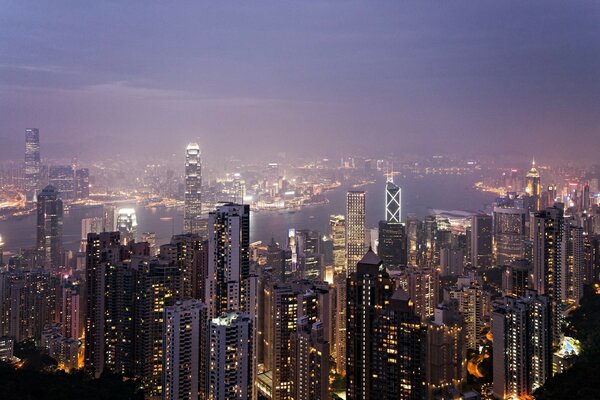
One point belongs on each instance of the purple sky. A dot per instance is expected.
(144, 78)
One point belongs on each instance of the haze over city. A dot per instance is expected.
(471, 78)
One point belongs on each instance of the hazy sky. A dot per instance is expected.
(142, 78)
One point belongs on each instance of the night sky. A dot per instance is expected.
(143, 78)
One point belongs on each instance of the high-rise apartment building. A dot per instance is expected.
(355, 229)
(522, 346)
(547, 233)
(50, 228)
(32, 163)
(310, 361)
(230, 374)
(193, 190)
(572, 254)
(185, 343)
(228, 259)
(423, 289)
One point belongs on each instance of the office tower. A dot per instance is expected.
(310, 361)
(516, 278)
(231, 352)
(127, 225)
(50, 228)
(481, 241)
(534, 188)
(393, 202)
(337, 231)
(522, 346)
(369, 288)
(509, 233)
(392, 244)
(355, 229)
(193, 190)
(423, 289)
(416, 242)
(184, 333)
(572, 253)
(228, 259)
(306, 254)
(32, 163)
(82, 183)
(446, 351)
(62, 178)
(547, 234)
(552, 196)
(398, 352)
(101, 248)
(452, 261)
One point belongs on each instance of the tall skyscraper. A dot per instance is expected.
(481, 241)
(572, 254)
(522, 346)
(228, 259)
(193, 190)
(127, 224)
(62, 177)
(393, 202)
(369, 288)
(50, 228)
(423, 289)
(398, 368)
(355, 229)
(393, 242)
(82, 183)
(310, 361)
(534, 188)
(231, 352)
(337, 226)
(547, 234)
(184, 334)
(32, 163)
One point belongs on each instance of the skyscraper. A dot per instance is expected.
(310, 361)
(193, 190)
(32, 163)
(572, 254)
(393, 202)
(184, 328)
(228, 259)
(337, 226)
(534, 188)
(399, 341)
(355, 229)
(509, 233)
(547, 233)
(231, 373)
(481, 241)
(369, 288)
(522, 346)
(127, 224)
(393, 242)
(62, 177)
(50, 228)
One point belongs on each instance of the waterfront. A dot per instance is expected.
(450, 192)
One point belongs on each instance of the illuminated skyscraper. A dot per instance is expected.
(423, 289)
(184, 333)
(228, 259)
(509, 232)
(534, 188)
(522, 346)
(547, 233)
(337, 225)
(572, 253)
(50, 228)
(231, 373)
(355, 229)
(127, 225)
(393, 202)
(393, 242)
(193, 190)
(369, 288)
(32, 163)
(62, 177)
